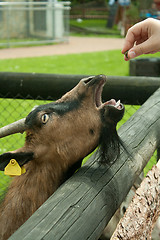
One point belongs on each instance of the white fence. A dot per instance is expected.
(33, 22)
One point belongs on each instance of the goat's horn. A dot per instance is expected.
(15, 127)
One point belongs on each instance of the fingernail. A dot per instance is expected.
(131, 54)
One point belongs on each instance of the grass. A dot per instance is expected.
(94, 25)
(89, 23)
(21, 42)
(107, 62)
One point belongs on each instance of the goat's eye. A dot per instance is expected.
(45, 118)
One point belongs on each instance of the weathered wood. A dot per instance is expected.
(144, 210)
(83, 205)
(130, 90)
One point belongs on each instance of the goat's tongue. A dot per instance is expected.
(110, 102)
(113, 102)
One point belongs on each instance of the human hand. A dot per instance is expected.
(142, 38)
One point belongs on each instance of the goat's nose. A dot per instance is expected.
(87, 80)
(100, 77)
(94, 79)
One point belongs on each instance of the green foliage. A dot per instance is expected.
(133, 14)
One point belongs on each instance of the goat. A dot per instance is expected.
(58, 136)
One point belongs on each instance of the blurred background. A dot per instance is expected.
(48, 21)
(52, 22)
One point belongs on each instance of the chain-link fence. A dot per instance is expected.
(33, 22)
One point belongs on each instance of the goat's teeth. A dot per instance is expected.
(117, 103)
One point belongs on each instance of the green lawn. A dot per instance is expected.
(107, 62)
(94, 25)
(89, 23)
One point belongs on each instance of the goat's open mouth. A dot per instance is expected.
(99, 82)
(98, 98)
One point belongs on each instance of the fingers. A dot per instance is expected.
(142, 38)
(130, 54)
(146, 47)
(134, 34)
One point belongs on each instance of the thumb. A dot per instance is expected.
(142, 48)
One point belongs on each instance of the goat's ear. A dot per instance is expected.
(21, 157)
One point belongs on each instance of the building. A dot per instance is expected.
(45, 20)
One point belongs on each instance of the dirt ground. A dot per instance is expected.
(75, 45)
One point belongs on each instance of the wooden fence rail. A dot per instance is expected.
(84, 204)
(130, 90)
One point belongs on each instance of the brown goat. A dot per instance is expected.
(58, 136)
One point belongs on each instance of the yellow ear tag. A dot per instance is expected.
(13, 169)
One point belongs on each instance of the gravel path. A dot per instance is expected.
(75, 45)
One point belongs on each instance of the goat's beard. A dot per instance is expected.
(109, 145)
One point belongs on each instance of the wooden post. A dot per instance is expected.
(83, 205)
(144, 210)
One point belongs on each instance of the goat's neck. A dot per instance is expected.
(41, 179)
(44, 177)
